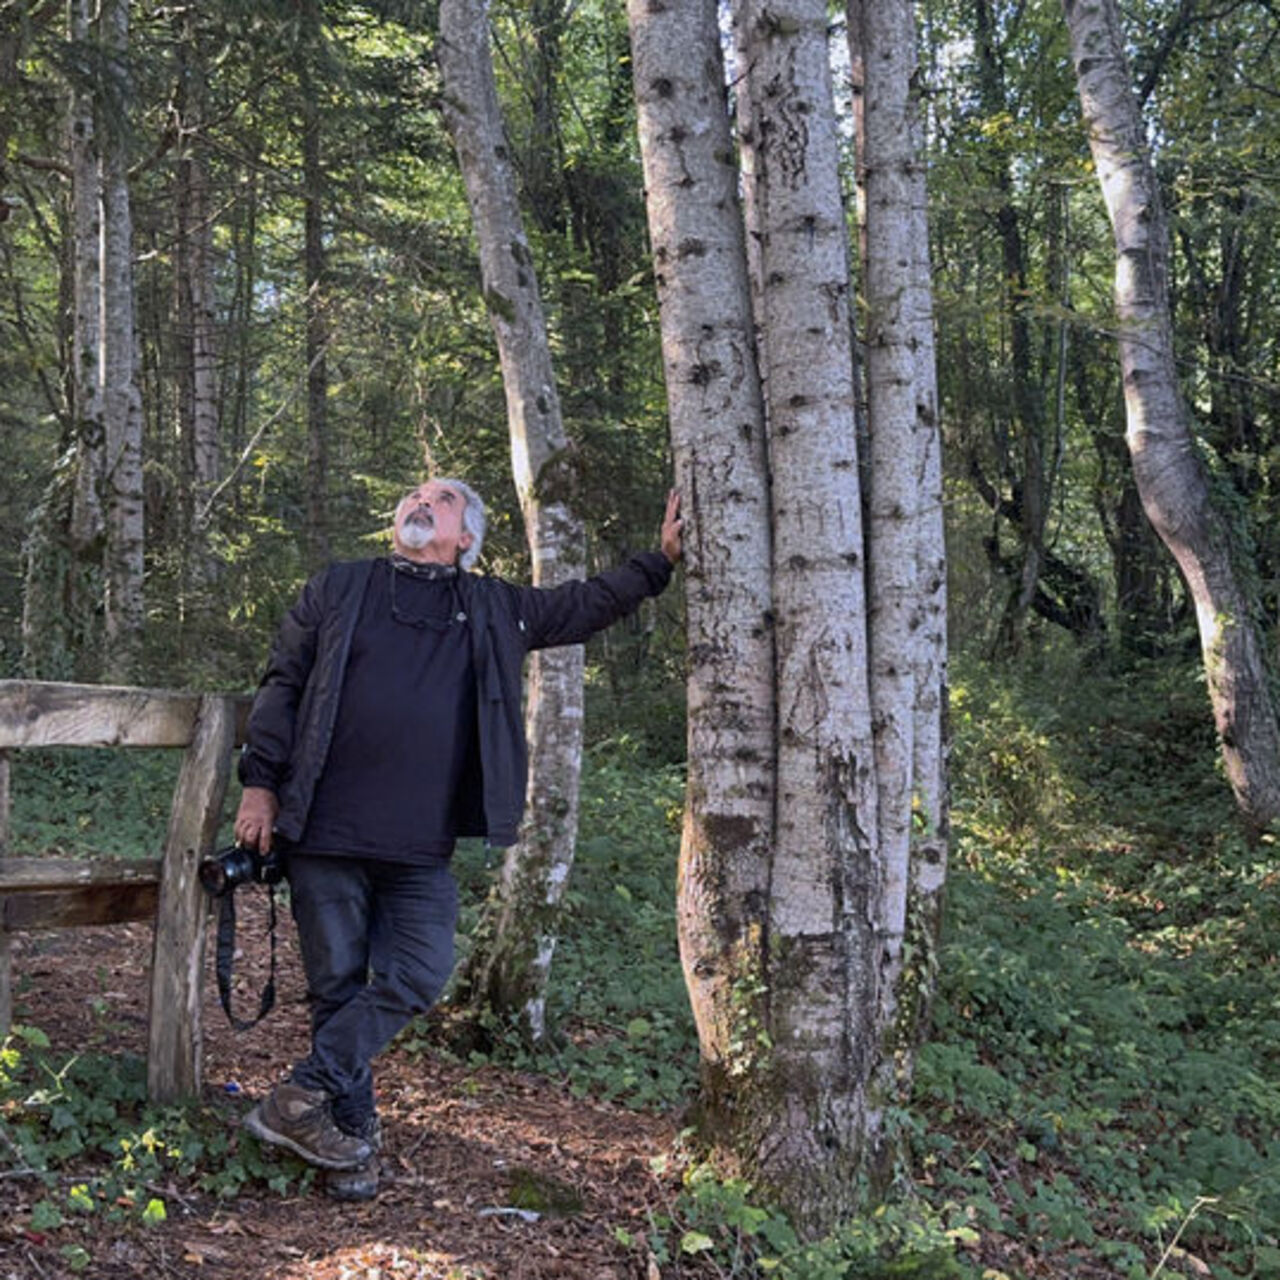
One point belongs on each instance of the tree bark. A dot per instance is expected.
(125, 613)
(65, 535)
(826, 875)
(194, 288)
(316, 303)
(718, 441)
(510, 966)
(906, 549)
(87, 408)
(1170, 477)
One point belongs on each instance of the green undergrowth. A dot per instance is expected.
(73, 802)
(79, 1142)
(620, 1023)
(1103, 1076)
(1101, 1092)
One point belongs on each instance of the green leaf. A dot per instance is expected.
(77, 1257)
(155, 1213)
(45, 1216)
(696, 1242)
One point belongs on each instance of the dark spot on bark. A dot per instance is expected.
(729, 832)
(798, 563)
(691, 248)
(663, 87)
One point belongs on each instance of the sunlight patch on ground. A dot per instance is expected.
(381, 1261)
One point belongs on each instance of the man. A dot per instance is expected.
(388, 724)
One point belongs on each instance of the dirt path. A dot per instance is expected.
(466, 1148)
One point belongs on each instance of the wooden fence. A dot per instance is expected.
(44, 893)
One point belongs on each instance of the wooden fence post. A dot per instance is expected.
(173, 1050)
(6, 962)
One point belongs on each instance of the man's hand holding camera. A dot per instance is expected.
(256, 817)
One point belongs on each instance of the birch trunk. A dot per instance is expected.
(718, 440)
(906, 555)
(1171, 480)
(510, 967)
(124, 612)
(825, 878)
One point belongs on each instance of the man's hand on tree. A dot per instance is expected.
(256, 817)
(673, 528)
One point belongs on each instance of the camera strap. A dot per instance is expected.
(226, 953)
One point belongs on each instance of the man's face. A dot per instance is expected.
(428, 524)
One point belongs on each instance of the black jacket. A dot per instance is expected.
(291, 723)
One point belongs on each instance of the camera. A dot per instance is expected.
(236, 865)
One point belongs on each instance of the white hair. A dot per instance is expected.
(473, 519)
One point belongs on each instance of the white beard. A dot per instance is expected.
(415, 534)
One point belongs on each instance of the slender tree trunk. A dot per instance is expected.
(194, 288)
(718, 439)
(905, 553)
(511, 964)
(1028, 403)
(316, 304)
(1171, 480)
(66, 530)
(826, 877)
(87, 385)
(125, 613)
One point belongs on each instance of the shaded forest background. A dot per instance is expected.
(350, 357)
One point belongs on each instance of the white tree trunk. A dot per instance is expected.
(512, 967)
(826, 876)
(718, 439)
(125, 613)
(1170, 478)
(906, 556)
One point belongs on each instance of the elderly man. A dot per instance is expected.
(388, 724)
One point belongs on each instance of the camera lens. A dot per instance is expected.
(223, 872)
(213, 876)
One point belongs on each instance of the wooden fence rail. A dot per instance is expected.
(39, 893)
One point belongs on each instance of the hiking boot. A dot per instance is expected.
(300, 1120)
(362, 1183)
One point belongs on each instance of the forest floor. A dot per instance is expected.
(462, 1144)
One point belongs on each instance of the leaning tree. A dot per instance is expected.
(1171, 478)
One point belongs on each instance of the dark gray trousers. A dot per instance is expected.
(377, 947)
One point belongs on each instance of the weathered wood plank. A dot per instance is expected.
(6, 984)
(173, 1052)
(37, 713)
(6, 955)
(71, 908)
(29, 875)
(4, 803)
